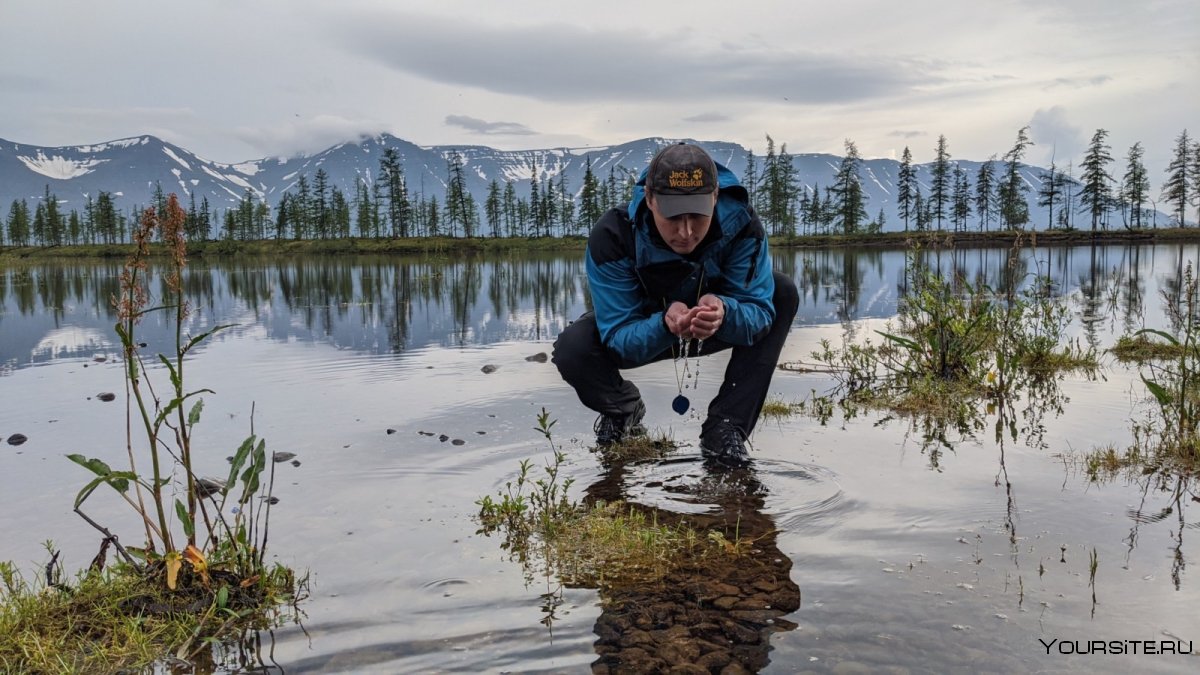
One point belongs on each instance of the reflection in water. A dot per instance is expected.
(712, 612)
(392, 304)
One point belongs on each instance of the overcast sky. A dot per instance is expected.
(242, 79)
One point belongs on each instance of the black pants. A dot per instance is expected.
(594, 370)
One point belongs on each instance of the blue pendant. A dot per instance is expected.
(680, 404)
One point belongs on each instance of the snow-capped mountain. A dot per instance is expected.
(131, 168)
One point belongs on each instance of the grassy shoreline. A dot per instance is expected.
(359, 246)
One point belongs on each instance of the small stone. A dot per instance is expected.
(481, 433)
(443, 438)
(280, 457)
(489, 369)
(17, 439)
(99, 358)
(295, 462)
(106, 396)
(539, 357)
(391, 431)
(273, 500)
(457, 441)
(425, 433)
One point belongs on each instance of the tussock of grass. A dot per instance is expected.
(121, 620)
(639, 448)
(1140, 348)
(618, 544)
(777, 408)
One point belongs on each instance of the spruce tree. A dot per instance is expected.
(566, 204)
(282, 210)
(851, 209)
(590, 208)
(1096, 191)
(1136, 185)
(511, 217)
(941, 183)
(106, 218)
(18, 223)
(491, 208)
(321, 214)
(301, 216)
(363, 209)
(1010, 194)
(750, 177)
(985, 190)
(395, 190)
(1050, 192)
(1176, 190)
(960, 209)
(1195, 170)
(904, 187)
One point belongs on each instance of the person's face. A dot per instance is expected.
(684, 232)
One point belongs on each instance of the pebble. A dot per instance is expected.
(539, 357)
(457, 441)
(106, 396)
(279, 457)
(17, 439)
(391, 431)
(489, 369)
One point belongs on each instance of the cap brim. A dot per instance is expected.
(673, 205)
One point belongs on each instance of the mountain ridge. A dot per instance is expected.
(130, 169)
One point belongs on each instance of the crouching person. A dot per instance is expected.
(683, 267)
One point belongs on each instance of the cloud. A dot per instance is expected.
(306, 134)
(565, 63)
(1077, 82)
(708, 117)
(899, 133)
(1055, 136)
(489, 128)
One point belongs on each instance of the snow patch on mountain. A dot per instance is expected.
(246, 168)
(117, 144)
(175, 157)
(59, 167)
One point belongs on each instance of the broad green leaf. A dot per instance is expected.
(171, 368)
(1164, 397)
(119, 480)
(188, 526)
(88, 490)
(194, 415)
(239, 459)
(94, 465)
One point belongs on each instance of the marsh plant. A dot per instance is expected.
(583, 545)
(955, 353)
(1169, 367)
(205, 540)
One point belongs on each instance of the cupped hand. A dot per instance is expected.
(707, 317)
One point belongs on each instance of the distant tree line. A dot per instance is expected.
(385, 206)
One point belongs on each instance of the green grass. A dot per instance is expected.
(122, 620)
(1140, 348)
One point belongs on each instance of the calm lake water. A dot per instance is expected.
(907, 558)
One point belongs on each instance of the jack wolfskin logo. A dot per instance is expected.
(684, 179)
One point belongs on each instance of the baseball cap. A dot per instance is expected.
(682, 178)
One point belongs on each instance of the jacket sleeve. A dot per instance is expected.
(747, 293)
(624, 324)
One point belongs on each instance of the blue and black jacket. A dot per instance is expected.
(634, 276)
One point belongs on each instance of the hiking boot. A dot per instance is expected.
(611, 429)
(724, 445)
